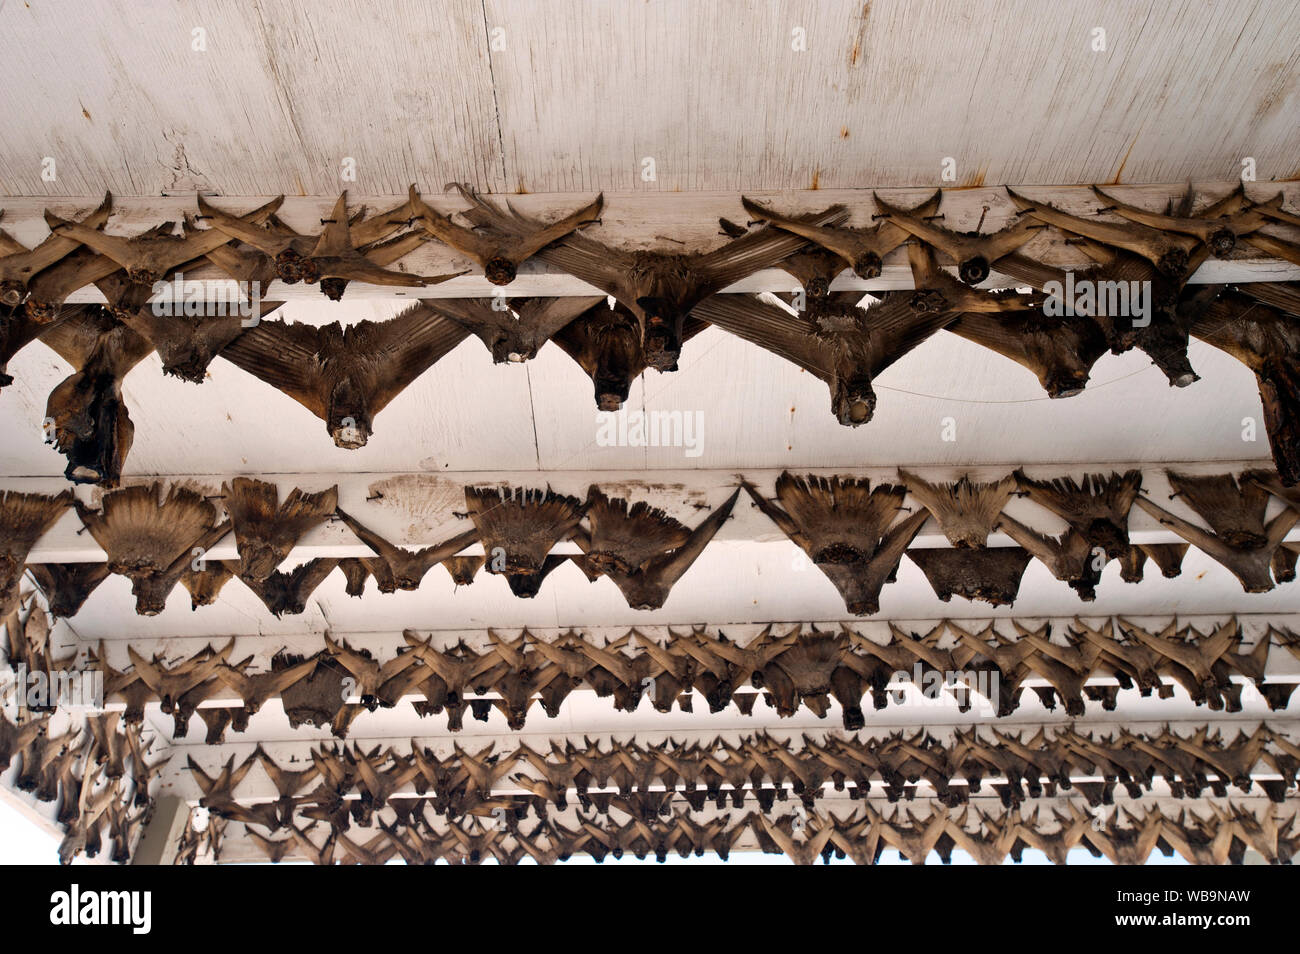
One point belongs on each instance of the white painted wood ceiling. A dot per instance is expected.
(759, 411)
(718, 97)
(578, 93)
(573, 97)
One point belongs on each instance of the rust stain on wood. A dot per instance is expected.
(1275, 75)
(1123, 162)
(974, 182)
(856, 52)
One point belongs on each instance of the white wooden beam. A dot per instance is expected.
(237, 847)
(668, 221)
(583, 712)
(417, 510)
(159, 841)
(384, 644)
(178, 780)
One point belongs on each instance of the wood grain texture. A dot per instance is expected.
(282, 94)
(580, 93)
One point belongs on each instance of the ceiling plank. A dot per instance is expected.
(567, 96)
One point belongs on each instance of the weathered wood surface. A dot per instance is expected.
(419, 510)
(571, 97)
(749, 574)
(669, 222)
